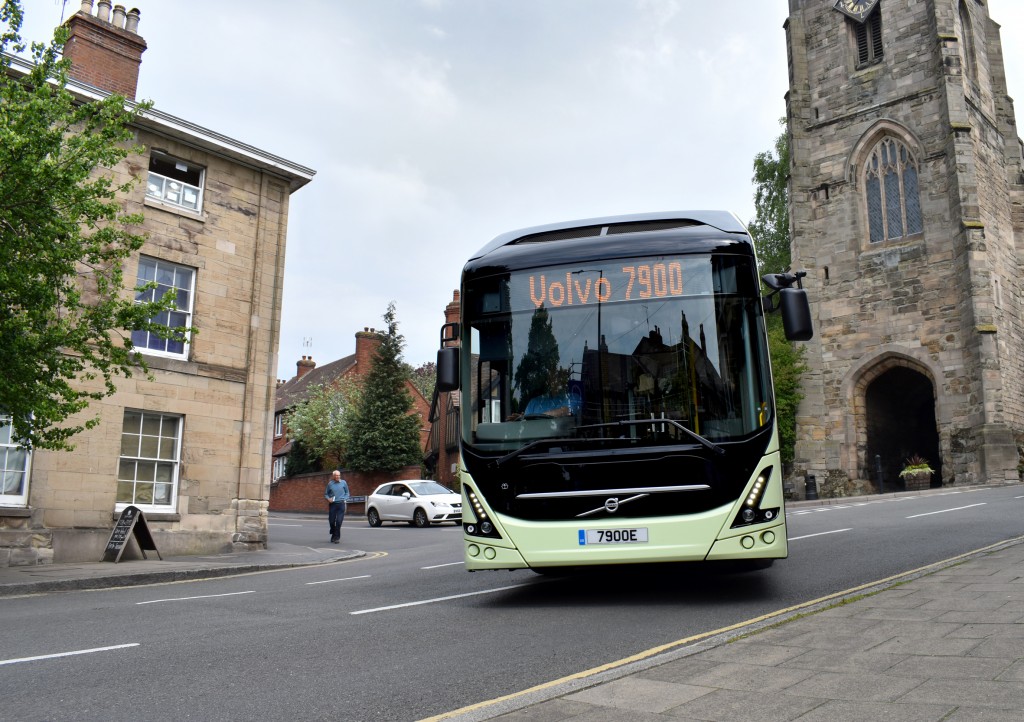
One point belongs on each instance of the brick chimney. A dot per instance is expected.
(303, 366)
(451, 313)
(105, 49)
(367, 342)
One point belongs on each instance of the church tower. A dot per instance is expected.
(906, 210)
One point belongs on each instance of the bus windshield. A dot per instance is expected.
(648, 351)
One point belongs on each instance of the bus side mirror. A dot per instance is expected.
(796, 309)
(448, 368)
(796, 314)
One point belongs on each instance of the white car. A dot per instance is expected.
(420, 503)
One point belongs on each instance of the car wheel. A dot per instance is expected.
(372, 517)
(420, 519)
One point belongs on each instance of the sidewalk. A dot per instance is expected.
(100, 575)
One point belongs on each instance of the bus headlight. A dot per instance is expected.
(484, 527)
(752, 513)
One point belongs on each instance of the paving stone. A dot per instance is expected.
(856, 687)
(950, 667)
(844, 711)
(982, 630)
(680, 671)
(970, 692)
(965, 617)
(927, 646)
(733, 705)
(760, 653)
(983, 714)
(828, 660)
(639, 695)
(751, 677)
(1009, 648)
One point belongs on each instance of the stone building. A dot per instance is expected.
(191, 446)
(906, 191)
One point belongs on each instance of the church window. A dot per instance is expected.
(893, 197)
(869, 39)
(967, 43)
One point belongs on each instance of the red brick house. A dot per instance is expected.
(304, 492)
(442, 449)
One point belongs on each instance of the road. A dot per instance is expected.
(406, 632)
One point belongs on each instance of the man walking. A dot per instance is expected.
(337, 495)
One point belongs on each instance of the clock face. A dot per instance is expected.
(856, 9)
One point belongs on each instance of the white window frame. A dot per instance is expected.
(10, 451)
(172, 187)
(278, 425)
(149, 459)
(167, 275)
(278, 467)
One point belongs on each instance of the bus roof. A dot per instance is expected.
(722, 220)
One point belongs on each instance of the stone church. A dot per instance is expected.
(906, 195)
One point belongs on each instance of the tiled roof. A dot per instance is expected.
(298, 388)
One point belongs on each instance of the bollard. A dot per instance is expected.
(878, 471)
(812, 488)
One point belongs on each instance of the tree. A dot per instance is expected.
(770, 231)
(538, 370)
(787, 368)
(65, 321)
(424, 378)
(384, 435)
(300, 460)
(770, 227)
(321, 424)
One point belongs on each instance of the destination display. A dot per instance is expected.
(630, 280)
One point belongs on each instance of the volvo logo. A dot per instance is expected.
(612, 504)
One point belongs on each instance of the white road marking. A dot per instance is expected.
(345, 579)
(449, 564)
(821, 533)
(438, 599)
(67, 654)
(185, 599)
(943, 511)
(273, 524)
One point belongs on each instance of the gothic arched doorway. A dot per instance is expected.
(900, 406)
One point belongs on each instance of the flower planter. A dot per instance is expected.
(915, 481)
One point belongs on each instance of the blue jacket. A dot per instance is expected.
(337, 489)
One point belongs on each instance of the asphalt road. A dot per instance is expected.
(406, 632)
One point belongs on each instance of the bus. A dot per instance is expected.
(615, 394)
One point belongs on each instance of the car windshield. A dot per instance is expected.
(649, 350)
(426, 488)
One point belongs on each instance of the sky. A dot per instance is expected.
(435, 125)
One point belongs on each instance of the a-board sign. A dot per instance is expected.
(132, 522)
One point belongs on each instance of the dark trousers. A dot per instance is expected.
(335, 517)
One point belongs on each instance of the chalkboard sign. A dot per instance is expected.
(131, 522)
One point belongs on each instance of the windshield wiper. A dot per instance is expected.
(712, 446)
(650, 422)
(536, 442)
